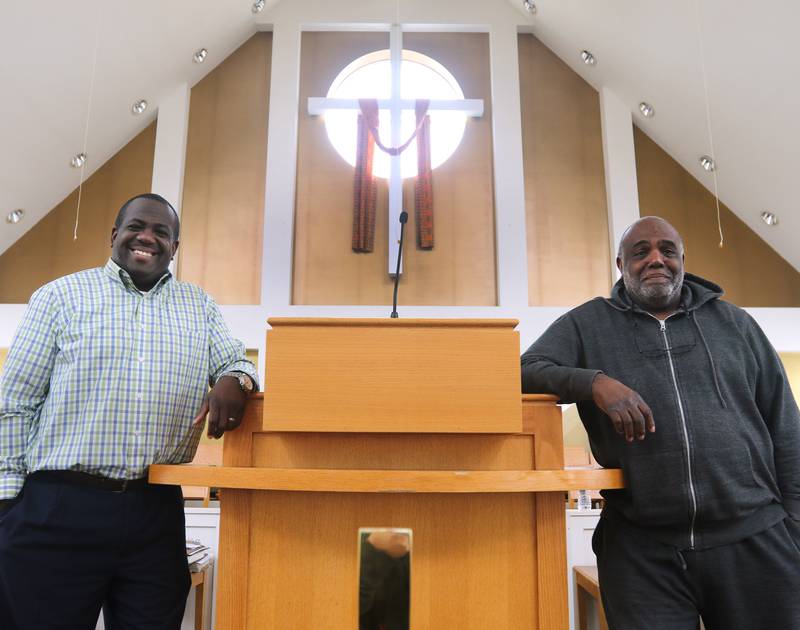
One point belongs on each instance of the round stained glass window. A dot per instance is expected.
(421, 77)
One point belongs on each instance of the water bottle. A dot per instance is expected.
(584, 500)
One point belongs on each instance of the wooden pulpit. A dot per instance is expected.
(402, 423)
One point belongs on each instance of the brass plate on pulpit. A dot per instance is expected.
(384, 578)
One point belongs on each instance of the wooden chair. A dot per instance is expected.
(579, 457)
(208, 454)
(576, 457)
(588, 587)
(199, 580)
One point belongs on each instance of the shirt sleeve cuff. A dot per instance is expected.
(583, 384)
(245, 367)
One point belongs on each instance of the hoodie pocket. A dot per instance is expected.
(658, 488)
(726, 486)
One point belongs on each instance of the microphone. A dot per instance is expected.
(403, 220)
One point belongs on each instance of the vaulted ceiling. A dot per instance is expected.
(143, 49)
(696, 62)
(670, 54)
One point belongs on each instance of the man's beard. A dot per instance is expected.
(652, 295)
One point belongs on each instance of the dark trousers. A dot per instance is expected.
(67, 549)
(753, 584)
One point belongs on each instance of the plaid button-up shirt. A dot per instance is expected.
(106, 379)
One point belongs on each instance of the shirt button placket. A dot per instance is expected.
(139, 345)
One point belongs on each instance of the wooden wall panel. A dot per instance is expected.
(222, 215)
(460, 270)
(396, 451)
(750, 271)
(472, 568)
(565, 196)
(551, 546)
(47, 251)
(791, 362)
(491, 538)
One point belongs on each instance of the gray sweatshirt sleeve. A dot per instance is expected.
(554, 364)
(779, 409)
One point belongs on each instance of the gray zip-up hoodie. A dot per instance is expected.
(724, 462)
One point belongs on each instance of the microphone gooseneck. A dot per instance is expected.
(403, 220)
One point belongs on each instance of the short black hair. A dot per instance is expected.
(154, 197)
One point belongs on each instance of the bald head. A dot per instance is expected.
(646, 226)
(650, 258)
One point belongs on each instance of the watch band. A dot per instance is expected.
(245, 382)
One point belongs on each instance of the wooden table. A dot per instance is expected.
(199, 583)
(588, 586)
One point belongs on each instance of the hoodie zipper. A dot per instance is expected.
(663, 324)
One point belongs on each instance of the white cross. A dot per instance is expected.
(470, 107)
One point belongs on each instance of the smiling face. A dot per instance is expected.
(145, 241)
(651, 261)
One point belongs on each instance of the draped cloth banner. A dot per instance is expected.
(423, 187)
(365, 189)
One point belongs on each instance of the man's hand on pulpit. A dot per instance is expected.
(224, 404)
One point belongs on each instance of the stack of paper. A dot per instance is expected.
(198, 555)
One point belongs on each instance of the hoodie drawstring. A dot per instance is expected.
(710, 359)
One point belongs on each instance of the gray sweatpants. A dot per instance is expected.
(753, 584)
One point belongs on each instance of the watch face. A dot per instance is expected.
(245, 383)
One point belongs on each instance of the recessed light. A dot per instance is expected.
(78, 160)
(258, 6)
(139, 107)
(15, 216)
(769, 218)
(530, 6)
(588, 58)
(708, 163)
(200, 56)
(647, 110)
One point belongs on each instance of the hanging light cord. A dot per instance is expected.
(708, 117)
(86, 126)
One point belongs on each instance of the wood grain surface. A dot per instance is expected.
(384, 375)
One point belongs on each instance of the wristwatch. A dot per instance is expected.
(245, 382)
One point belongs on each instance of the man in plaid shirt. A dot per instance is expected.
(107, 374)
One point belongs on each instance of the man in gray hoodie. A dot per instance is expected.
(685, 394)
